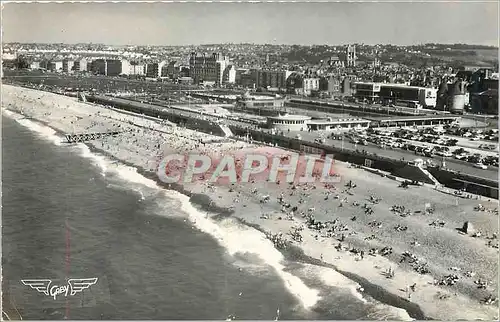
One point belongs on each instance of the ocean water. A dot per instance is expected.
(70, 213)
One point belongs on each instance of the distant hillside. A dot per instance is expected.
(460, 46)
(476, 56)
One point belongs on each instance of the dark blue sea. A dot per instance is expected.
(69, 213)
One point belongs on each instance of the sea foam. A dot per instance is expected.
(38, 128)
(240, 239)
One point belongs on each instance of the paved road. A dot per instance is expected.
(465, 142)
(464, 167)
(461, 144)
(486, 119)
(367, 107)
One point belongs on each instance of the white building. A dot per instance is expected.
(9, 56)
(288, 122)
(351, 56)
(338, 124)
(133, 67)
(125, 67)
(430, 98)
(153, 70)
(35, 65)
(80, 65)
(56, 66)
(309, 85)
(222, 62)
(68, 66)
(230, 75)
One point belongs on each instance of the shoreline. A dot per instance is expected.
(210, 204)
(296, 254)
(292, 253)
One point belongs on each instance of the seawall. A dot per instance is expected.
(484, 187)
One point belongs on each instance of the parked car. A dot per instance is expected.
(446, 154)
(461, 156)
(451, 142)
(490, 160)
(488, 146)
(480, 166)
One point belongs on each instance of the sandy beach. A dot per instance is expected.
(347, 225)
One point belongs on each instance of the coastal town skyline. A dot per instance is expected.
(183, 24)
(472, 45)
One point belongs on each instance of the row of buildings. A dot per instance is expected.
(330, 80)
(202, 68)
(207, 69)
(387, 93)
(102, 66)
(214, 69)
(477, 90)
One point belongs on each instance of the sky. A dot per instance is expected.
(281, 23)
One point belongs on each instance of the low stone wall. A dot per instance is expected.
(488, 188)
(412, 173)
(472, 184)
(198, 124)
(396, 167)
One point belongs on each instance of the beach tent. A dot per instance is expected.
(468, 228)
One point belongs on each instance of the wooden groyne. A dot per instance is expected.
(84, 137)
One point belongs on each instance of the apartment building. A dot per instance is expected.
(154, 69)
(208, 69)
(68, 66)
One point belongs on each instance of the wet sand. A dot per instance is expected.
(442, 248)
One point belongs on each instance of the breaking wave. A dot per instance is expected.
(239, 239)
(43, 131)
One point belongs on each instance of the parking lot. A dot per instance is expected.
(396, 153)
(96, 84)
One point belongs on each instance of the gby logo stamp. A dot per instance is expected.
(72, 287)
